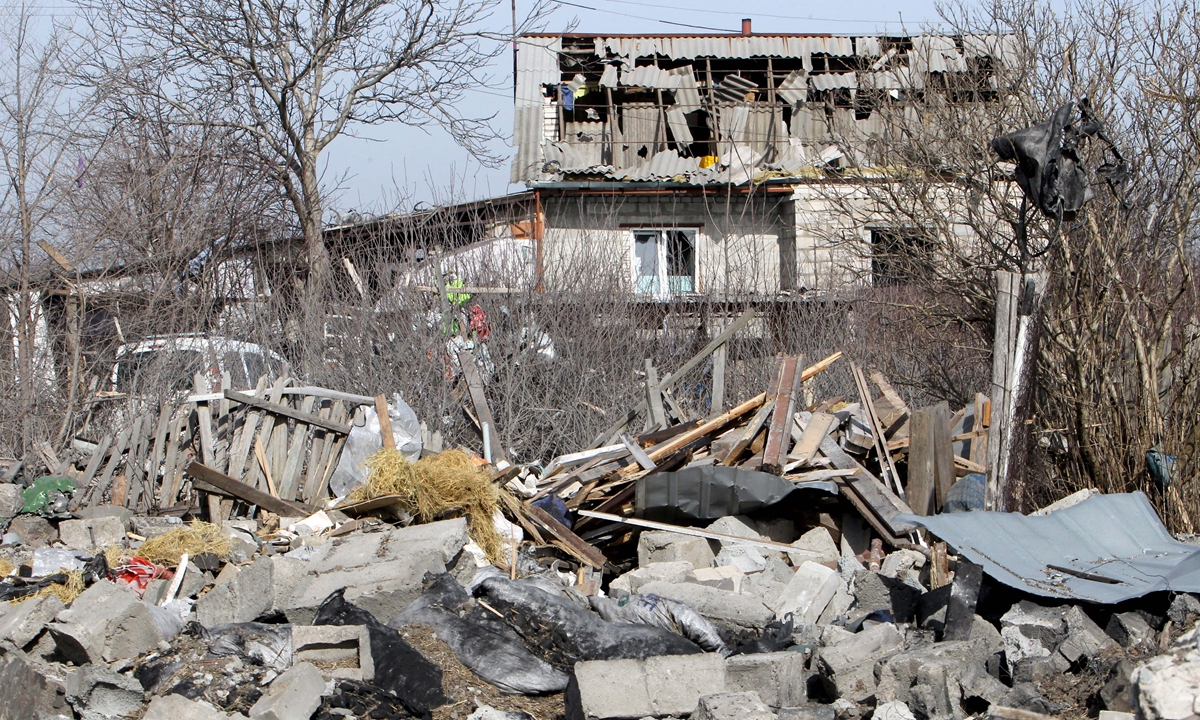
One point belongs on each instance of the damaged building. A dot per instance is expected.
(705, 164)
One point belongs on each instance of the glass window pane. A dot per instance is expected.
(645, 254)
(681, 262)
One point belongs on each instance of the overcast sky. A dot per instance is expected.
(391, 167)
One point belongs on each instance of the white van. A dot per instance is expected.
(170, 362)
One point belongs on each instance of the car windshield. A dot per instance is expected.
(168, 369)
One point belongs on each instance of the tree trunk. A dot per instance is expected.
(311, 336)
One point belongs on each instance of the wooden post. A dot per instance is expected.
(1014, 352)
(717, 400)
(658, 416)
(930, 459)
(385, 423)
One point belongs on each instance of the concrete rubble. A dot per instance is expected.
(757, 612)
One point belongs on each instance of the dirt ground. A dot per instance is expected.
(466, 690)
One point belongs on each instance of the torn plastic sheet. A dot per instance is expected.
(484, 643)
(714, 491)
(258, 643)
(666, 613)
(399, 667)
(363, 441)
(563, 632)
(1107, 549)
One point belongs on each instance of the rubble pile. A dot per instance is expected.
(786, 558)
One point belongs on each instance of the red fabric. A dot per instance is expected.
(136, 573)
(479, 324)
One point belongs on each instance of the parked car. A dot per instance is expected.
(170, 363)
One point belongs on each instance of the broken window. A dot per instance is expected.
(664, 262)
(900, 255)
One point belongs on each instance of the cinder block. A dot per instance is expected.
(656, 686)
(732, 706)
(807, 593)
(92, 534)
(720, 606)
(294, 694)
(336, 643)
(779, 678)
(24, 622)
(661, 546)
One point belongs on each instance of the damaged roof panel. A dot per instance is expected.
(1107, 549)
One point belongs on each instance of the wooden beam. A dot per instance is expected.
(385, 423)
(779, 432)
(810, 440)
(209, 480)
(883, 503)
(654, 401)
(483, 411)
(637, 452)
(748, 433)
(717, 400)
(285, 411)
(578, 547)
(881, 451)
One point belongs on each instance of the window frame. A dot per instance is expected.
(662, 286)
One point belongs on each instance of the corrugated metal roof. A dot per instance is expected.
(1115, 537)
(724, 46)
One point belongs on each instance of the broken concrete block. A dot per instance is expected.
(656, 686)
(847, 667)
(780, 530)
(817, 540)
(806, 595)
(747, 558)
(25, 621)
(902, 561)
(177, 707)
(662, 546)
(132, 633)
(92, 534)
(294, 694)
(34, 530)
(1168, 687)
(97, 692)
(27, 691)
(732, 706)
(808, 712)
(1114, 715)
(727, 577)
(1130, 630)
(382, 572)
(11, 500)
(894, 710)
(873, 591)
(930, 680)
(347, 646)
(246, 594)
(1085, 640)
(839, 605)
(1184, 608)
(720, 606)
(672, 572)
(779, 678)
(81, 631)
(1031, 631)
(152, 527)
(1115, 691)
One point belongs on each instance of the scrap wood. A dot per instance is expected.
(517, 510)
(748, 433)
(810, 439)
(285, 411)
(680, 441)
(668, 380)
(883, 503)
(576, 546)
(696, 532)
(466, 360)
(210, 481)
(779, 431)
(881, 451)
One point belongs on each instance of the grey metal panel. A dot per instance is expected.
(537, 66)
(663, 165)
(1118, 537)
(833, 80)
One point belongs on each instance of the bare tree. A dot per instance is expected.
(41, 121)
(296, 74)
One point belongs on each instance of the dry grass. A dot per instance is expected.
(6, 567)
(434, 487)
(197, 538)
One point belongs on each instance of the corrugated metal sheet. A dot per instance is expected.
(828, 81)
(725, 46)
(537, 66)
(662, 166)
(1116, 537)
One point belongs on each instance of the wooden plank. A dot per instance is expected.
(204, 425)
(261, 456)
(658, 416)
(979, 443)
(483, 411)
(868, 514)
(135, 463)
(113, 458)
(582, 550)
(244, 438)
(315, 472)
(883, 503)
(717, 399)
(156, 457)
(779, 432)
(639, 455)
(295, 455)
(387, 438)
(930, 459)
(94, 464)
(254, 474)
(939, 568)
(605, 437)
(333, 451)
(889, 392)
(815, 475)
(661, 451)
(810, 440)
(120, 491)
(276, 408)
(881, 451)
(172, 477)
(748, 433)
(697, 532)
(219, 482)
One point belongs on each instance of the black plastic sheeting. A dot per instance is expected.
(714, 491)
(484, 643)
(666, 613)
(563, 632)
(399, 667)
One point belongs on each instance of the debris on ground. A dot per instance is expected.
(786, 558)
